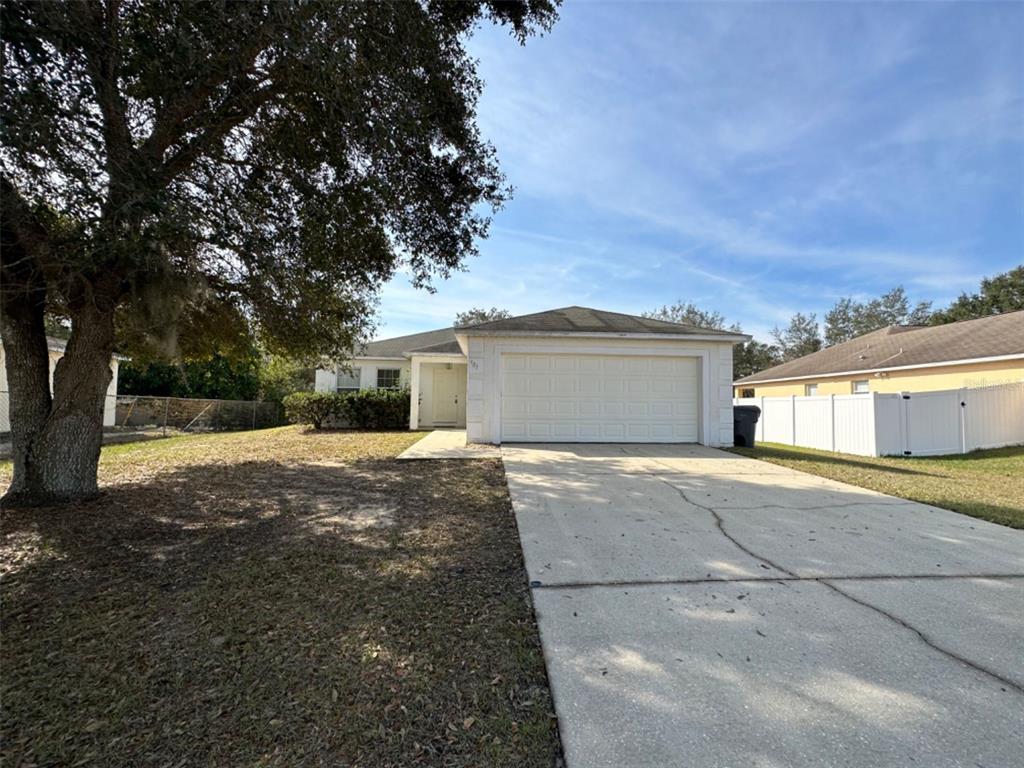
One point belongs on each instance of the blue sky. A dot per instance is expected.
(757, 160)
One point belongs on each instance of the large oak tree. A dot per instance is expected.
(217, 166)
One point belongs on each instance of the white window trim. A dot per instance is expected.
(865, 382)
(810, 390)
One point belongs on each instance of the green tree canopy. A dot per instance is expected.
(689, 313)
(1002, 293)
(849, 319)
(801, 337)
(481, 315)
(747, 358)
(222, 167)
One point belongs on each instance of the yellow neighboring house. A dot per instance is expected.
(921, 358)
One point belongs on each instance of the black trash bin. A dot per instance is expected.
(744, 424)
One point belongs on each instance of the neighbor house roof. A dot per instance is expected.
(586, 320)
(56, 344)
(900, 346)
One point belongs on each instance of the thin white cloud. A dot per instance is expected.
(763, 159)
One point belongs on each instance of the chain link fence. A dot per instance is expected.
(140, 412)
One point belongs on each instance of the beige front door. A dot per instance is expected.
(446, 395)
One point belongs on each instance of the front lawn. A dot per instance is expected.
(273, 598)
(986, 484)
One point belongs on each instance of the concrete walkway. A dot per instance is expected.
(702, 609)
(448, 444)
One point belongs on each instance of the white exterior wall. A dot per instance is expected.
(109, 406)
(483, 385)
(327, 380)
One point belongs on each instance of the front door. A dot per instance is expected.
(446, 395)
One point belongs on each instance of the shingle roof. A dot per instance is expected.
(55, 344)
(565, 320)
(444, 348)
(401, 345)
(900, 346)
(586, 320)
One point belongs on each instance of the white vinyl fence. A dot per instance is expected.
(908, 424)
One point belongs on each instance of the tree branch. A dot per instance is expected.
(24, 240)
(103, 64)
(231, 114)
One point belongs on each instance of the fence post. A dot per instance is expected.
(961, 396)
(254, 414)
(832, 421)
(131, 407)
(792, 413)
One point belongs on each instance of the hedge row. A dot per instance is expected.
(365, 409)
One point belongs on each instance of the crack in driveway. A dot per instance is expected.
(611, 584)
(720, 524)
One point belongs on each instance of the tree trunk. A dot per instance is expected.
(59, 458)
(28, 372)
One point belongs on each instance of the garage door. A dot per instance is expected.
(599, 398)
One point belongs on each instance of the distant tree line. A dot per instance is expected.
(850, 318)
(248, 373)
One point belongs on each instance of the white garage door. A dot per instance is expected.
(599, 398)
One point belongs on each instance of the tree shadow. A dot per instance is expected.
(277, 613)
(836, 459)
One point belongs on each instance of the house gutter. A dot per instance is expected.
(735, 338)
(966, 361)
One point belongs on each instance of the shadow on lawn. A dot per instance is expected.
(822, 457)
(275, 614)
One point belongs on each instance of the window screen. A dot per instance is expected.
(387, 378)
(348, 380)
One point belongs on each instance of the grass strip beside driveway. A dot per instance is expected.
(274, 598)
(984, 484)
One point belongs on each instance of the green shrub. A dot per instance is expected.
(377, 408)
(313, 408)
(365, 409)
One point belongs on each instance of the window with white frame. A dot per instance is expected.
(348, 379)
(861, 386)
(810, 389)
(746, 393)
(387, 378)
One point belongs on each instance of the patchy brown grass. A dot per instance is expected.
(986, 484)
(277, 598)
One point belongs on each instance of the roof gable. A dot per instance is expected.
(566, 320)
(907, 346)
(586, 320)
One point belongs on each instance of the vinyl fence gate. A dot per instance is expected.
(901, 424)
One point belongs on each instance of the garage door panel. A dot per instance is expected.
(664, 409)
(663, 431)
(599, 398)
(638, 409)
(563, 385)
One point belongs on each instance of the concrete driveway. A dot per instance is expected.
(698, 609)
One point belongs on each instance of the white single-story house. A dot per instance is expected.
(565, 375)
(56, 350)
